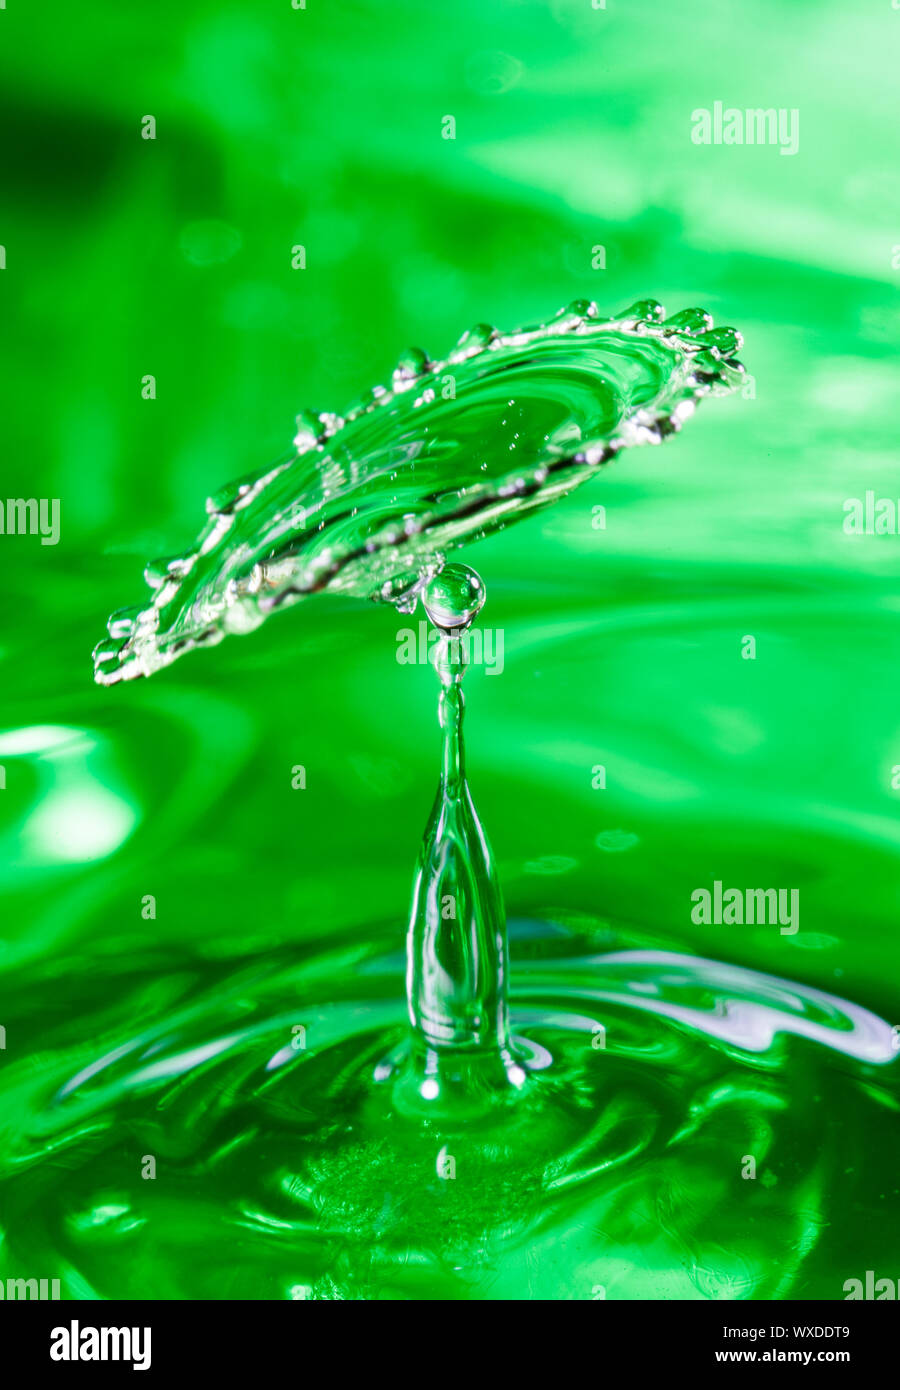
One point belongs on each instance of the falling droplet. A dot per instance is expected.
(454, 598)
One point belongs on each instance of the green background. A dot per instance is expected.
(172, 257)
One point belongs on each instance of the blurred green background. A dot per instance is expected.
(173, 257)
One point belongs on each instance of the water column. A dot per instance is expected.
(457, 956)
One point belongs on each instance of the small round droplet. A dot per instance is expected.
(454, 598)
(579, 308)
(107, 660)
(691, 321)
(224, 500)
(479, 336)
(721, 342)
(309, 428)
(157, 572)
(412, 365)
(645, 311)
(123, 622)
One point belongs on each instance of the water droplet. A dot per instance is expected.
(224, 499)
(123, 622)
(309, 429)
(579, 309)
(412, 365)
(454, 598)
(722, 343)
(158, 572)
(644, 311)
(691, 321)
(107, 659)
(478, 337)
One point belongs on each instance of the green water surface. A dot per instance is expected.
(269, 795)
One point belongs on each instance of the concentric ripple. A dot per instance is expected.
(658, 1082)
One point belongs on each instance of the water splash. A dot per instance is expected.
(618, 1168)
(587, 1112)
(370, 502)
(461, 1055)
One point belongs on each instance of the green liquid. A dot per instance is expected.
(576, 1126)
